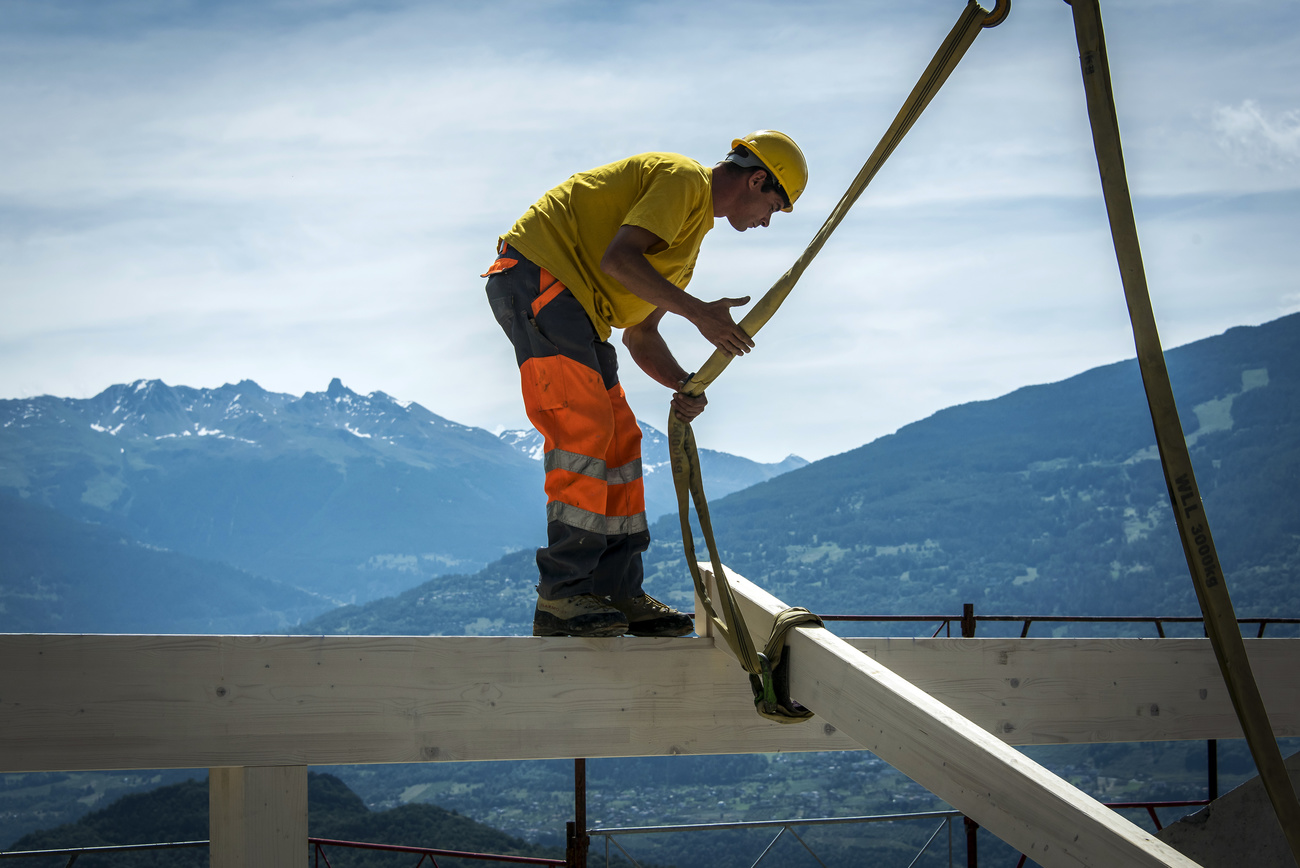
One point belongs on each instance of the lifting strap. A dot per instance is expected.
(1189, 511)
(769, 679)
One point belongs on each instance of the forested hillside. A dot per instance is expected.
(179, 812)
(1049, 500)
(44, 587)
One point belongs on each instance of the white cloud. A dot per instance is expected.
(1249, 133)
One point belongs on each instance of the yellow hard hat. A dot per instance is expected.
(780, 156)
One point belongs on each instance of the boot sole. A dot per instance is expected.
(595, 628)
(662, 627)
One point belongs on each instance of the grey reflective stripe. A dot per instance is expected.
(629, 472)
(627, 524)
(610, 525)
(558, 459)
(575, 516)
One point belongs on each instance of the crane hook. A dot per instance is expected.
(999, 13)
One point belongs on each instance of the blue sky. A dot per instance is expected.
(294, 190)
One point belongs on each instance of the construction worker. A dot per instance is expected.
(614, 247)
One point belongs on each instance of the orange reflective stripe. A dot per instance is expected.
(626, 499)
(577, 490)
(550, 288)
(503, 263)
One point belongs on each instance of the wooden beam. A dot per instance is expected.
(1018, 800)
(70, 702)
(257, 816)
(1086, 691)
(96, 702)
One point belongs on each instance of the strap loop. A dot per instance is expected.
(772, 685)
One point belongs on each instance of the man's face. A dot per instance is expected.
(756, 207)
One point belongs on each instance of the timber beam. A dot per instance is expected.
(79, 702)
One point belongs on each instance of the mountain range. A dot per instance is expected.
(155, 508)
(131, 511)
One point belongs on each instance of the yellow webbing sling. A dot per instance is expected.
(770, 697)
(1189, 510)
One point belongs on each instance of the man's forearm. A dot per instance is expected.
(625, 261)
(650, 351)
(639, 277)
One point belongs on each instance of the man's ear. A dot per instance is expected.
(757, 178)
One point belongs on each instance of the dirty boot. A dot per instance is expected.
(583, 615)
(646, 616)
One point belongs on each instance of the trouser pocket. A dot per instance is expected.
(512, 288)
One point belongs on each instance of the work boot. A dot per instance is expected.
(583, 615)
(646, 616)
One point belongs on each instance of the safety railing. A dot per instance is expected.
(317, 845)
(1151, 807)
(610, 836)
(74, 853)
(968, 621)
(783, 827)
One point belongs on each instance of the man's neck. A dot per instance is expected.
(724, 189)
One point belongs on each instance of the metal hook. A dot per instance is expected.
(1000, 13)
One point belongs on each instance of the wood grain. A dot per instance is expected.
(70, 702)
(257, 816)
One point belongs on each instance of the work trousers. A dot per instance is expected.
(595, 511)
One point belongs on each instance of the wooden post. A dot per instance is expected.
(703, 626)
(257, 815)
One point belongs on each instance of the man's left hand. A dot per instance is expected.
(687, 407)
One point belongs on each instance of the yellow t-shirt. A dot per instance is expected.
(567, 230)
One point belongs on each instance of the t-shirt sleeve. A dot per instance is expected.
(666, 203)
